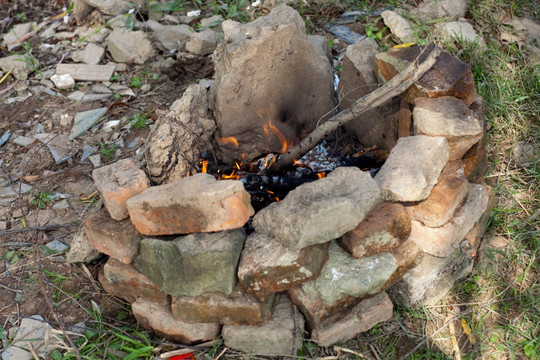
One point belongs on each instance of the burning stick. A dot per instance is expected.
(394, 87)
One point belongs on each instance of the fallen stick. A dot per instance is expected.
(397, 85)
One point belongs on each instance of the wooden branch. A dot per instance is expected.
(397, 85)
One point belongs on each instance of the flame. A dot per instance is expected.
(238, 166)
(204, 166)
(271, 128)
(275, 197)
(231, 176)
(321, 175)
(229, 140)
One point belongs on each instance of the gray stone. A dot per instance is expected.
(212, 21)
(202, 43)
(86, 72)
(22, 141)
(62, 82)
(82, 97)
(268, 75)
(462, 32)
(34, 331)
(524, 154)
(11, 38)
(16, 353)
(192, 264)
(321, 44)
(59, 145)
(56, 246)
(170, 36)
(268, 266)
(14, 191)
(399, 26)
(449, 117)
(80, 249)
(437, 9)
(91, 55)
(112, 7)
(320, 211)
(178, 139)
(276, 337)
(86, 120)
(20, 65)
(441, 241)
(130, 46)
(362, 317)
(412, 168)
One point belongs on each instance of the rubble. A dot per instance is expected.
(86, 72)
(129, 46)
(399, 26)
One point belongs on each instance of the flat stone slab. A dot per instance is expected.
(441, 241)
(343, 281)
(276, 337)
(125, 282)
(362, 317)
(117, 183)
(237, 308)
(385, 227)
(158, 318)
(118, 239)
(448, 77)
(86, 72)
(198, 203)
(412, 168)
(320, 211)
(449, 117)
(192, 264)
(85, 120)
(267, 266)
(442, 202)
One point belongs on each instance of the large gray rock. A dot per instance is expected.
(91, 55)
(276, 337)
(170, 36)
(357, 79)
(449, 117)
(203, 42)
(399, 26)
(412, 168)
(268, 266)
(320, 211)
(268, 75)
(80, 249)
(343, 281)
(20, 65)
(462, 32)
(177, 141)
(192, 264)
(129, 46)
(437, 9)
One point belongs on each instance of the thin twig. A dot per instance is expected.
(36, 228)
(397, 85)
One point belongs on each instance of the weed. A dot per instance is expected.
(175, 5)
(136, 82)
(13, 256)
(140, 121)
(107, 151)
(114, 77)
(42, 198)
(21, 16)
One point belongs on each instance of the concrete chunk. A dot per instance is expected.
(86, 72)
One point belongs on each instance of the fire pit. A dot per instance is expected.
(327, 237)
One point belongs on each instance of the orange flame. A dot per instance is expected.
(285, 144)
(204, 166)
(229, 140)
(321, 175)
(231, 176)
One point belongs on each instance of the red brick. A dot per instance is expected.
(117, 183)
(158, 318)
(385, 227)
(125, 282)
(118, 239)
(237, 308)
(198, 203)
(448, 77)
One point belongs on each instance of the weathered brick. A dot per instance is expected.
(117, 183)
(158, 318)
(385, 227)
(449, 117)
(362, 317)
(125, 282)
(118, 239)
(442, 240)
(197, 203)
(448, 77)
(441, 203)
(267, 266)
(276, 337)
(237, 308)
